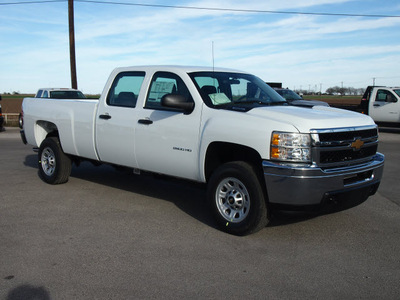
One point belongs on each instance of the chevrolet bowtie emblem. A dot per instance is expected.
(357, 144)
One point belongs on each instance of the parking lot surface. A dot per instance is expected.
(108, 234)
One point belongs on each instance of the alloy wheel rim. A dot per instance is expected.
(232, 200)
(48, 161)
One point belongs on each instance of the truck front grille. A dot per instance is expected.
(344, 146)
(347, 135)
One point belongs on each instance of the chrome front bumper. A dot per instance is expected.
(295, 185)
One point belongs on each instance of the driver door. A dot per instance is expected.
(385, 107)
(167, 140)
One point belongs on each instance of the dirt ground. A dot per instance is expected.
(336, 100)
(10, 108)
(11, 105)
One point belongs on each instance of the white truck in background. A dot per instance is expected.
(59, 93)
(53, 93)
(382, 104)
(1, 118)
(222, 127)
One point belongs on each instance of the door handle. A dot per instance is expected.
(105, 117)
(145, 121)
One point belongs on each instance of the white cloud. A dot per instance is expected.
(297, 49)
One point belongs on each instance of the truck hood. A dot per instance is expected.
(307, 103)
(317, 117)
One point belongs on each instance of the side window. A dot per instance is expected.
(45, 94)
(383, 95)
(165, 83)
(125, 89)
(39, 94)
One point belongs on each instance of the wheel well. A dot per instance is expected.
(219, 153)
(45, 129)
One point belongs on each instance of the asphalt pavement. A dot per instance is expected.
(109, 234)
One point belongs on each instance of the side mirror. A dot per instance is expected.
(178, 102)
(390, 99)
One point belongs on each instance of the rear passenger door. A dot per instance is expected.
(116, 120)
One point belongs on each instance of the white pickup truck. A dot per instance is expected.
(382, 104)
(222, 127)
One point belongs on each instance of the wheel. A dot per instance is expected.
(54, 165)
(20, 121)
(237, 199)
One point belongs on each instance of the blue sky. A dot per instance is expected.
(299, 50)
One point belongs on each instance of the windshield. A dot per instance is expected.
(234, 90)
(289, 94)
(397, 91)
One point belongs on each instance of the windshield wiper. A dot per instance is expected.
(248, 102)
(259, 102)
(279, 103)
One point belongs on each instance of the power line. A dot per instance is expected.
(240, 10)
(31, 2)
(212, 8)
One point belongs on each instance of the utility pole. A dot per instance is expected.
(74, 82)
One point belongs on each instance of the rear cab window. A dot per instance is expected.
(67, 95)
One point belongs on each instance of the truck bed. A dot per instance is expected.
(74, 118)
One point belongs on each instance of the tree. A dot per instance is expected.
(344, 91)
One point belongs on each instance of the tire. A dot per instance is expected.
(237, 199)
(54, 165)
(20, 121)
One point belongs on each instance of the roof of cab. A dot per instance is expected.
(176, 68)
(58, 89)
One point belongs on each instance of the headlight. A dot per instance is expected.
(295, 147)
